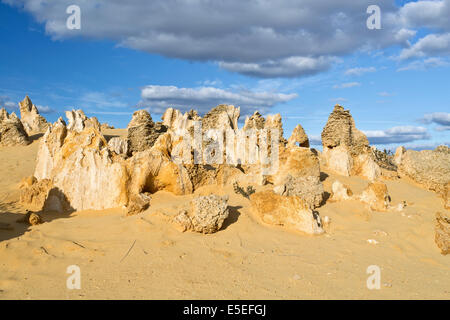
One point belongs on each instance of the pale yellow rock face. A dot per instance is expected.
(12, 131)
(290, 212)
(429, 168)
(341, 192)
(376, 196)
(299, 136)
(299, 175)
(30, 117)
(338, 159)
(346, 150)
(447, 196)
(442, 232)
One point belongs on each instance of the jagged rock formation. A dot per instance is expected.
(340, 191)
(12, 131)
(30, 117)
(205, 215)
(82, 165)
(299, 136)
(143, 132)
(256, 121)
(442, 229)
(175, 120)
(346, 150)
(78, 121)
(221, 117)
(430, 168)
(376, 196)
(287, 211)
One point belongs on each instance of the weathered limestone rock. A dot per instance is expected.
(376, 196)
(399, 152)
(429, 168)
(153, 170)
(143, 132)
(222, 117)
(31, 218)
(206, 214)
(442, 229)
(78, 121)
(12, 132)
(49, 146)
(138, 203)
(175, 120)
(346, 150)
(118, 145)
(80, 165)
(288, 211)
(256, 121)
(299, 136)
(299, 175)
(30, 117)
(42, 196)
(446, 196)
(340, 191)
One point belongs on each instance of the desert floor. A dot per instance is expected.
(145, 257)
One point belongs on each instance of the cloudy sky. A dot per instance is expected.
(295, 57)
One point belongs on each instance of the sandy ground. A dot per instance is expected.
(145, 257)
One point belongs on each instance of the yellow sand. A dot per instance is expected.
(245, 260)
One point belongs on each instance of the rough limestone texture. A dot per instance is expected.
(299, 136)
(290, 212)
(222, 117)
(118, 145)
(256, 121)
(43, 196)
(429, 168)
(205, 215)
(31, 218)
(138, 203)
(340, 191)
(442, 229)
(80, 165)
(299, 175)
(12, 131)
(175, 120)
(376, 196)
(346, 150)
(143, 132)
(78, 121)
(30, 117)
(399, 152)
(446, 196)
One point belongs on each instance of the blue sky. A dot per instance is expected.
(395, 81)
